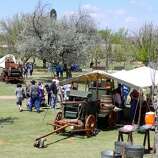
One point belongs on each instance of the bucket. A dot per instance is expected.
(134, 151)
(150, 118)
(110, 154)
(120, 147)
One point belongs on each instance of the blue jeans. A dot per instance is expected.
(53, 100)
(35, 101)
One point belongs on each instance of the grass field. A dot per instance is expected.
(7, 89)
(18, 131)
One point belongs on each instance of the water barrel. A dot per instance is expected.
(150, 118)
(134, 151)
(120, 147)
(110, 154)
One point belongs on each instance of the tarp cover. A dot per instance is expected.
(139, 78)
(3, 59)
(91, 76)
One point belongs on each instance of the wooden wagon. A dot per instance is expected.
(82, 111)
(77, 115)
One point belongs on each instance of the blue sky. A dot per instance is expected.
(107, 13)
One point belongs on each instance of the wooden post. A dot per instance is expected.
(97, 94)
(140, 106)
(156, 130)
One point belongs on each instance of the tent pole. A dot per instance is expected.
(86, 86)
(140, 106)
(97, 89)
(133, 121)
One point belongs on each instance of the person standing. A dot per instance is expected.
(56, 80)
(48, 90)
(25, 73)
(66, 88)
(57, 69)
(19, 96)
(41, 93)
(118, 102)
(31, 68)
(54, 92)
(124, 92)
(61, 71)
(34, 96)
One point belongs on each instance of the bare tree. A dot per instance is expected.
(10, 29)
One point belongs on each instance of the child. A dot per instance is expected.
(19, 96)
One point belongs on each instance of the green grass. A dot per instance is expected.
(19, 130)
(7, 89)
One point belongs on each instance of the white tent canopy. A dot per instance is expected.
(90, 76)
(139, 78)
(3, 59)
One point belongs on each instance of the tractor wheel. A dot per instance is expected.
(57, 118)
(90, 125)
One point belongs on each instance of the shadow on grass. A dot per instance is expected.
(66, 137)
(7, 120)
(70, 134)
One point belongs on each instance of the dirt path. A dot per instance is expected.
(7, 97)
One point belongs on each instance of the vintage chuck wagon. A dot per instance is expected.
(82, 111)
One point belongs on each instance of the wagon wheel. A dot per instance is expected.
(90, 125)
(57, 118)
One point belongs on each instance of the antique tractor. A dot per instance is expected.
(11, 71)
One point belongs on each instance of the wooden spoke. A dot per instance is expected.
(90, 125)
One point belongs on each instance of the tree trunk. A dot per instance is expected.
(96, 63)
(34, 60)
(68, 71)
(44, 63)
(107, 62)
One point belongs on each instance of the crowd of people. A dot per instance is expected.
(35, 93)
(27, 69)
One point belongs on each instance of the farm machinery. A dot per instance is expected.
(80, 114)
(10, 70)
(77, 115)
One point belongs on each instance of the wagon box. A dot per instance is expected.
(79, 95)
(77, 113)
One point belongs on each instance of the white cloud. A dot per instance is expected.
(90, 8)
(93, 11)
(113, 19)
